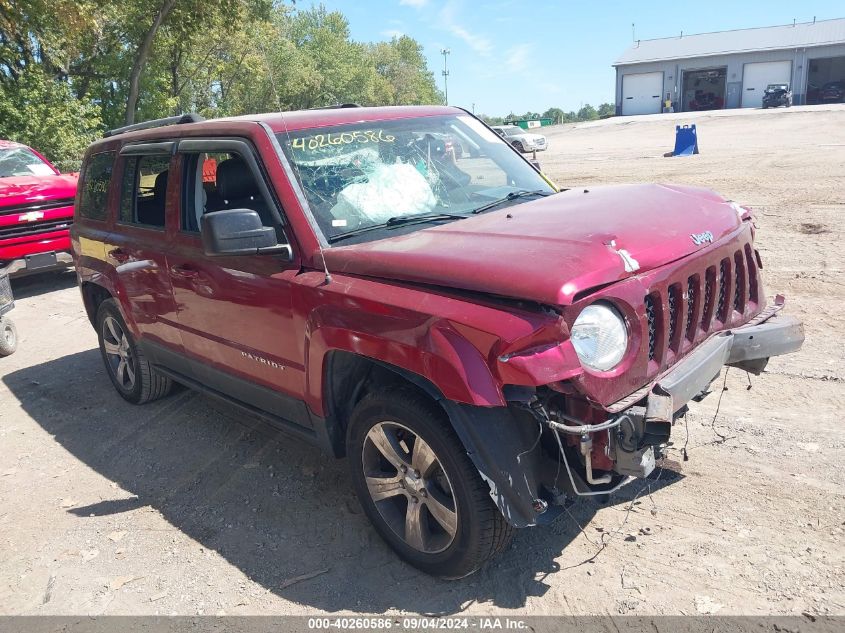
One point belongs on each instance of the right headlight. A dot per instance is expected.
(599, 336)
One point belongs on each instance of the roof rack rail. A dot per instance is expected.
(146, 125)
(337, 106)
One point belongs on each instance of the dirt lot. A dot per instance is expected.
(176, 508)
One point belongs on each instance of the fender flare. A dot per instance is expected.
(443, 357)
(501, 442)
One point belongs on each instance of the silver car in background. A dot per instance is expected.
(522, 140)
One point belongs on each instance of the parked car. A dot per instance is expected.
(833, 92)
(777, 95)
(8, 331)
(706, 100)
(481, 348)
(36, 211)
(814, 92)
(522, 140)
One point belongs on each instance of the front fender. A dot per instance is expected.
(441, 355)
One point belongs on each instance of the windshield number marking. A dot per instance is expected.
(345, 138)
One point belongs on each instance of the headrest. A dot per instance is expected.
(234, 180)
(160, 187)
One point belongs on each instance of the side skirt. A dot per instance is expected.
(306, 426)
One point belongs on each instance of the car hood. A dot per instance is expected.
(550, 249)
(28, 190)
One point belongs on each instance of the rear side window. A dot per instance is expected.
(144, 190)
(94, 186)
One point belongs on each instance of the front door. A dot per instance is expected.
(235, 313)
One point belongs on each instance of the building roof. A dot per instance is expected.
(816, 33)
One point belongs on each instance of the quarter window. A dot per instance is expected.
(94, 186)
(144, 190)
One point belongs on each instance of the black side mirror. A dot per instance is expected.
(239, 232)
(535, 164)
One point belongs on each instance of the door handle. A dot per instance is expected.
(184, 272)
(119, 255)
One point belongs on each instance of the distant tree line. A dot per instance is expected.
(586, 113)
(71, 68)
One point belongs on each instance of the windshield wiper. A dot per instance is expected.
(513, 195)
(423, 217)
(397, 221)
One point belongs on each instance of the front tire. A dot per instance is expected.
(519, 147)
(8, 336)
(419, 488)
(130, 372)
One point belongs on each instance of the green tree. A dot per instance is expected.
(606, 110)
(117, 61)
(555, 114)
(403, 75)
(587, 113)
(38, 111)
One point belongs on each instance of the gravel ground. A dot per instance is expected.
(184, 507)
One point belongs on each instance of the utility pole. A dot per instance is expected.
(473, 108)
(444, 52)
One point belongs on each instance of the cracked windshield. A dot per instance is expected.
(364, 181)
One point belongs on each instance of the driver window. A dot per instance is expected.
(215, 181)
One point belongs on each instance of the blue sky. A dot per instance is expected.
(508, 55)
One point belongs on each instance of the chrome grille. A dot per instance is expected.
(34, 228)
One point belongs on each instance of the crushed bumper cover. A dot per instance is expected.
(504, 445)
(748, 347)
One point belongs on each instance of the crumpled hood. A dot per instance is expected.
(548, 250)
(27, 190)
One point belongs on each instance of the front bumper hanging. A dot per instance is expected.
(748, 347)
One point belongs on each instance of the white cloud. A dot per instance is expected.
(517, 57)
(391, 33)
(417, 4)
(477, 42)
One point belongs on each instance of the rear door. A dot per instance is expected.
(137, 245)
(235, 313)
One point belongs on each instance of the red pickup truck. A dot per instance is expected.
(36, 211)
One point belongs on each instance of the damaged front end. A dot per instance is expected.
(551, 445)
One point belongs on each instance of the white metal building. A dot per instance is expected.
(730, 69)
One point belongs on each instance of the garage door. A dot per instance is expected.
(756, 76)
(641, 93)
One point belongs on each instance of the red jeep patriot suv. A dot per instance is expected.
(36, 211)
(480, 346)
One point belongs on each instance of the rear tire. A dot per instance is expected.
(8, 336)
(130, 372)
(402, 449)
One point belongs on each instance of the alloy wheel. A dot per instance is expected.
(409, 487)
(119, 355)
